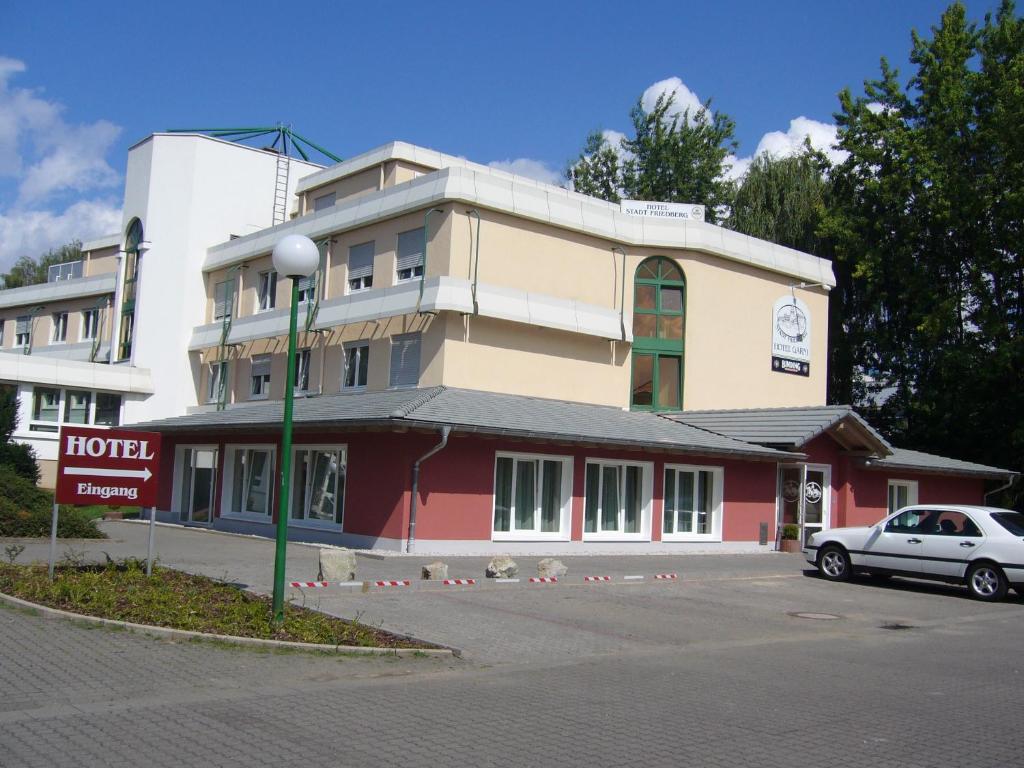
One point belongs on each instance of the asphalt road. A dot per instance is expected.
(712, 669)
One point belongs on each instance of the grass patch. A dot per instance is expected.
(97, 511)
(122, 591)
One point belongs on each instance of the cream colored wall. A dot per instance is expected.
(42, 327)
(102, 261)
(401, 171)
(348, 188)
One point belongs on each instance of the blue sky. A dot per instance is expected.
(519, 83)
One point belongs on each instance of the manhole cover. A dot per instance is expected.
(816, 616)
(896, 625)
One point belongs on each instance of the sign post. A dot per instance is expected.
(107, 466)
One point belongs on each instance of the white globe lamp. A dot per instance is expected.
(296, 256)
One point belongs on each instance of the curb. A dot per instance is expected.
(149, 629)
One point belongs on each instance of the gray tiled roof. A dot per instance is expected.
(788, 427)
(903, 458)
(475, 411)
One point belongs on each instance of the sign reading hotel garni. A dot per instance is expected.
(107, 466)
(654, 210)
(791, 337)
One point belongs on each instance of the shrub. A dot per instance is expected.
(790, 532)
(26, 510)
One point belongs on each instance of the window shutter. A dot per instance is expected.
(307, 283)
(324, 201)
(220, 300)
(360, 261)
(261, 366)
(410, 249)
(405, 360)
(23, 324)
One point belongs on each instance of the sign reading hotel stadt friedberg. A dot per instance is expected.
(653, 210)
(107, 466)
(791, 337)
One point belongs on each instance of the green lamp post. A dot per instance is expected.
(295, 256)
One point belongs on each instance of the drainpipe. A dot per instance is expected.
(445, 431)
(1000, 489)
(423, 277)
(622, 292)
(476, 259)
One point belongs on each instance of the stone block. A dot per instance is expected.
(435, 571)
(337, 565)
(502, 567)
(549, 567)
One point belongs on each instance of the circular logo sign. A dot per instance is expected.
(791, 490)
(791, 323)
(812, 493)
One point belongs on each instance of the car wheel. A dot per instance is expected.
(986, 581)
(834, 564)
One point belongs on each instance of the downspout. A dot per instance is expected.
(1000, 489)
(476, 259)
(445, 431)
(622, 292)
(423, 276)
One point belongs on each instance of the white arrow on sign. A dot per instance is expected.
(145, 474)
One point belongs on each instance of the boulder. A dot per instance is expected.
(435, 570)
(549, 567)
(502, 567)
(337, 565)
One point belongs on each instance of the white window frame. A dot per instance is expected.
(266, 291)
(60, 323)
(53, 427)
(300, 369)
(565, 514)
(408, 274)
(304, 522)
(646, 498)
(910, 485)
(40, 425)
(213, 392)
(179, 469)
(87, 325)
(228, 484)
(264, 392)
(363, 348)
(717, 510)
(22, 340)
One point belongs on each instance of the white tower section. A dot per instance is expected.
(190, 192)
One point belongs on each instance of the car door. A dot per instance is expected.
(895, 544)
(951, 544)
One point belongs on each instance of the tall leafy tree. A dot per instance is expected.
(597, 172)
(28, 270)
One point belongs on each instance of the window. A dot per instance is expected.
(1011, 521)
(301, 371)
(659, 300)
(223, 299)
(45, 409)
(911, 521)
(902, 493)
(267, 297)
(617, 500)
(357, 363)
(531, 496)
(693, 503)
(409, 264)
(405, 360)
(2, 324)
(259, 388)
(23, 331)
(360, 267)
(108, 409)
(307, 288)
(324, 201)
(318, 485)
(76, 406)
(251, 481)
(132, 257)
(66, 271)
(216, 382)
(90, 324)
(60, 327)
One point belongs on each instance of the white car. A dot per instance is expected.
(982, 547)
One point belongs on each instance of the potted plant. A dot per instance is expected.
(790, 538)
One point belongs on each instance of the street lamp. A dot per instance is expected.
(295, 256)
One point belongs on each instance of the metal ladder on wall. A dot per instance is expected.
(281, 189)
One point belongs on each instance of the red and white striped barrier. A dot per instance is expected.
(399, 583)
(458, 582)
(597, 578)
(543, 579)
(666, 576)
(310, 583)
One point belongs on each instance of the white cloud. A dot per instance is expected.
(737, 167)
(531, 169)
(32, 232)
(685, 99)
(783, 144)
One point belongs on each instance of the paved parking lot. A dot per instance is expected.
(712, 669)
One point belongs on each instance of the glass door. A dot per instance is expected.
(803, 497)
(198, 481)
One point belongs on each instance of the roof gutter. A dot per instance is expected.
(445, 431)
(1009, 481)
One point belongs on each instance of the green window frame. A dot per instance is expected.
(132, 254)
(659, 329)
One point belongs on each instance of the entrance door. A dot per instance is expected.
(803, 497)
(198, 481)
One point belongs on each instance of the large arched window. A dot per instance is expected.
(132, 252)
(659, 308)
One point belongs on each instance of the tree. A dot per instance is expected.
(31, 271)
(926, 228)
(19, 457)
(673, 157)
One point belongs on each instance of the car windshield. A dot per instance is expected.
(1011, 521)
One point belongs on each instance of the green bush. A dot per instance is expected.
(26, 510)
(790, 532)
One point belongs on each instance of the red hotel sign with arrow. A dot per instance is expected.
(117, 467)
